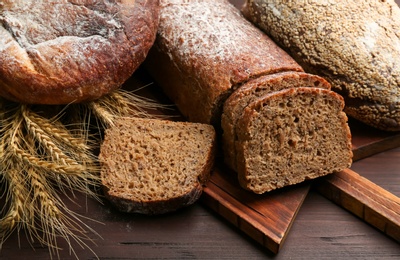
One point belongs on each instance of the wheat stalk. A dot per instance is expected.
(17, 211)
(58, 132)
(20, 210)
(54, 218)
(59, 161)
(122, 103)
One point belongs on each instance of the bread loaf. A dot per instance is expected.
(355, 45)
(206, 53)
(204, 50)
(63, 51)
(154, 166)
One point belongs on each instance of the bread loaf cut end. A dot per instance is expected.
(154, 166)
(251, 91)
(292, 135)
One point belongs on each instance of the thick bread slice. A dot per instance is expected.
(251, 91)
(290, 136)
(355, 45)
(153, 166)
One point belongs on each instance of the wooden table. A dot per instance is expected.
(321, 230)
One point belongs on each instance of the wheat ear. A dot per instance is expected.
(19, 209)
(17, 213)
(30, 161)
(77, 161)
(123, 103)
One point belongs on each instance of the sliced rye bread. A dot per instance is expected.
(291, 135)
(154, 166)
(249, 92)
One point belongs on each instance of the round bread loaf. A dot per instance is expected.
(64, 51)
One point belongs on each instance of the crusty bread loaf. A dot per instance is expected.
(251, 91)
(205, 49)
(58, 52)
(154, 166)
(292, 135)
(355, 45)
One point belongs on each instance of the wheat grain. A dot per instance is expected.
(17, 138)
(58, 132)
(16, 195)
(46, 141)
(123, 103)
(104, 115)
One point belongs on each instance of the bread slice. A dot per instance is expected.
(291, 135)
(251, 91)
(154, 166)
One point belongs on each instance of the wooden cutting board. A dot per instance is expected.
(267, 218)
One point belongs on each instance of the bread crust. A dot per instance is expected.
(67, 51)
(153, 207)
(205, 49)
(355, 45)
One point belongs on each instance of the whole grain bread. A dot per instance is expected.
(291, 135)
(250, 92)
(154, 166)
(206, 48)
(207, 55)
(63, 51)
(355, 45)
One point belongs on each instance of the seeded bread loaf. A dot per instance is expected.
(205, 49)
(154, 166)
(63, 51)
(355, 45)
(291, 135)
(206, 53)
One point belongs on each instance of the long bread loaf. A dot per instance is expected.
(206, 52)
(212, 49)
(355, 45)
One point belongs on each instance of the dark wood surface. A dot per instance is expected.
(321, 230)
(368, 201)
